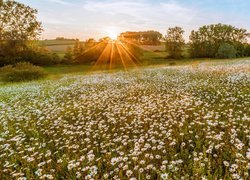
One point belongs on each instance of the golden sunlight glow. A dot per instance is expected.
(114, 55)
(112, 33)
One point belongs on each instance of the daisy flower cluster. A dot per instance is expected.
(156, 123)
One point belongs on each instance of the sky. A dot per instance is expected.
(98, 18)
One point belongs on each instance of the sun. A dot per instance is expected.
(112, 33)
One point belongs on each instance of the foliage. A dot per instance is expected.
(21, 72)
(175, 42)
(68, 57)
(65, 39)
(206, 41)
(142, 37)
(33, 54)
(78, 49)
(226, 51)
(18, 22)
(72, 54)
(90, 43)
(247, 50)
(18, 28)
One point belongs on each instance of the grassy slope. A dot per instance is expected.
(164, 104)
(66, 69)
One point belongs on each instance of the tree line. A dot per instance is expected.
(20, 30)
(209, 41)
(142, 37)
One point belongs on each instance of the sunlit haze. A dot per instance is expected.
(112, 32)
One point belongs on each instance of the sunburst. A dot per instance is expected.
(112, 33)
(113, 54)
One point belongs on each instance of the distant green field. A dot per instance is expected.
(56, 42)
(57, 46)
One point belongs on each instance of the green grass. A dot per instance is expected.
(67, 69)
(160, 58)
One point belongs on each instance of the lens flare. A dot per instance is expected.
(112, 33)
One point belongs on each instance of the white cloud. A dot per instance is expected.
(150, 13)
(62, 2)
(90, 18)
(139, 15)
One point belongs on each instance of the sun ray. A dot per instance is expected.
(98, 44)
(111, 56)
(128, 55)
(123, 63)
(128, 51)
(111, 52)
(99, 63)
(147, 49)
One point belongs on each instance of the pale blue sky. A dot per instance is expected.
(96, 18)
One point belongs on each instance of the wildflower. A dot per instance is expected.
(164, 176)
(226, 163)
(129, 173)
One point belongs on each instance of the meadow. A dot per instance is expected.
(57, 46)
(161, 122)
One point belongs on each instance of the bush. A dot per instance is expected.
(40, 57)
(226, 51)
(21, 72)
(172, 63)
(247, 50)
(35, 55)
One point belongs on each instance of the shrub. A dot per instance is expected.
(226, 51)
(40, 57)
(247, 50)
(35, 55)
(172, 64)
(22, 71)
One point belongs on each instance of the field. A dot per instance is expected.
(57, 46)
(56, 42)
(165, 122)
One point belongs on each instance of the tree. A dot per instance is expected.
(68, 57)
(247, 50)
(90, 43)
(142, 37)
(18, 22)
(207, 40)
(175, 42)
(78, 48)
(226, 51)
(18, 27)
(105, 39)
(150, 37)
